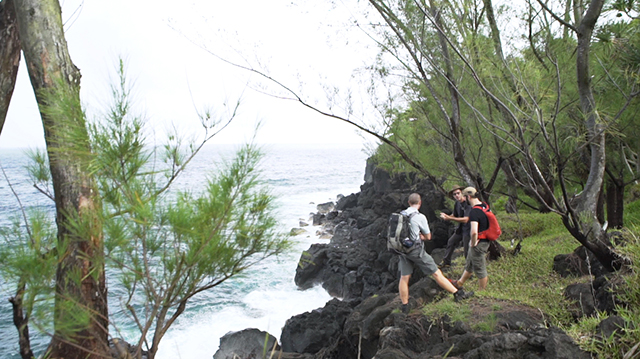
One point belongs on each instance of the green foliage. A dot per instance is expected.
(169, 246)
(39, 169)
(28, 258)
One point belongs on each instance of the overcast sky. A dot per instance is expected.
(310, 47)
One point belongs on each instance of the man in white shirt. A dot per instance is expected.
(419, 228)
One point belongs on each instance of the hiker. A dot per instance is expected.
(460, 215)
(419, 228)
(477, 259)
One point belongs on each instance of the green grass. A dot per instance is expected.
(488, 324)
(455, 311)
(632, 214)
(528, 279)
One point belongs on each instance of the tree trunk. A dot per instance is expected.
(588, 199)
(586, 202)
(9, 56)
(615, 203)
(21, 323)
(454, 121)
(80, 283)
(600, 215)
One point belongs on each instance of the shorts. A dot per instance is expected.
(477, 259)
(420, 258)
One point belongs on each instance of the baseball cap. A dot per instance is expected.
(469, 191)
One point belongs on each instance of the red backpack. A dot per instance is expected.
(493, 232)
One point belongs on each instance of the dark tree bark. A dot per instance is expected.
(615, 202)
(584, 220)
(9, 56)
(588, 199)
(21, 323)
(80, 281)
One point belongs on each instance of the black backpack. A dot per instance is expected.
(398, 233)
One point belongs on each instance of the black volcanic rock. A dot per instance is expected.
(578, 263)
(356, 263)
(245, 344)
(309, 332)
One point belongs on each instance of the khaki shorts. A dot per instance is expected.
(417, 257)
(477, 259)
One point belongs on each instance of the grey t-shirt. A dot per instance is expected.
(418, 224)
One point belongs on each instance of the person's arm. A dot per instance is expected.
(455, 216)
(456, 219)
(474, 234)
(425, 232)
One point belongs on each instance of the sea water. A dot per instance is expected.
(265, 296)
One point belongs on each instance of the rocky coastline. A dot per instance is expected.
(363, 321)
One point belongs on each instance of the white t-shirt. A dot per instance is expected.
(418, 224)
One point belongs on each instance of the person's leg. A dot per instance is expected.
(403, 288)
(465, 243)
(468, 270)
(482, 283)
(480, 264)
(406, 269)
(465, 277)
(452, 243)
(443, 282)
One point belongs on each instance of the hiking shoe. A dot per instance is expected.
(461, 295)
(455, 283)
(406, 308)
(444, 265)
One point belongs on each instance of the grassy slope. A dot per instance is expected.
(529, 280)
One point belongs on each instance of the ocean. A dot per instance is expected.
(265, 296)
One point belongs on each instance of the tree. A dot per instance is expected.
(230, 240)
(529, 113)
(9, 56)
(53, 74)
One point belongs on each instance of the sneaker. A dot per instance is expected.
(461, 295)
(406, 308)
(455, 283)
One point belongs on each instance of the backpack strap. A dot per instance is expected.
(485, 208)
(410, 217)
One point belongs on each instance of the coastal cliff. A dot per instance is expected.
(364, 321)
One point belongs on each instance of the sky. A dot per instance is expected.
(167, 49)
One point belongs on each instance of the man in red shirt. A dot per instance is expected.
(478, 248)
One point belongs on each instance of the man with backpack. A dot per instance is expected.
(478, 245)
(416, 255)
(460, 215)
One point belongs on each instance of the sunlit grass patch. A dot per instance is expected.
(488, 324)
(529, 278)
(455, 311)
